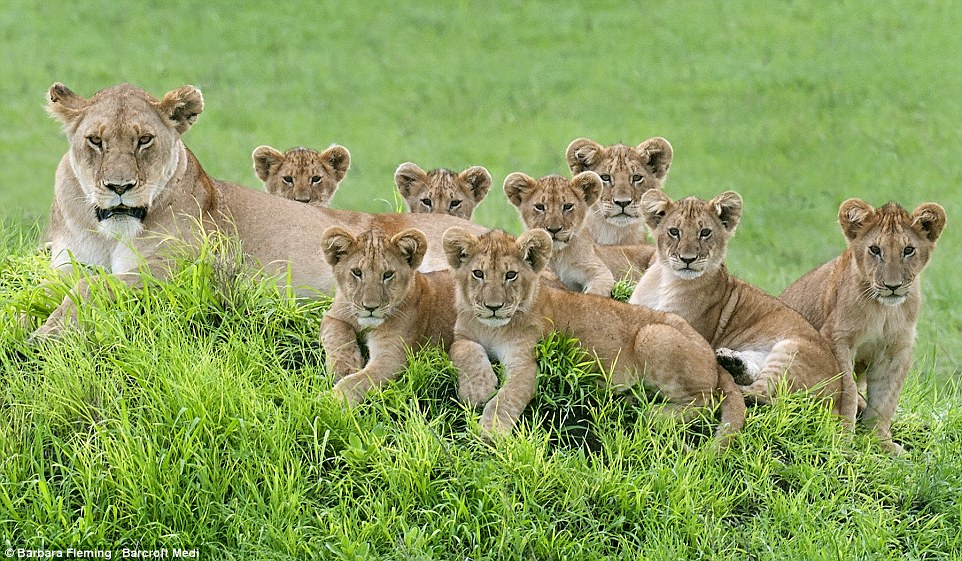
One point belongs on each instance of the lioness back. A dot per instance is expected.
(302, 174)
(866, 301)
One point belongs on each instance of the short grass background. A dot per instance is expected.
(197, 414)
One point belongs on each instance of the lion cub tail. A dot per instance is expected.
(732, 409)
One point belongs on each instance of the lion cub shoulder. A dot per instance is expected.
(866, 301)
(302, 174)
(442, 191)
(382, 300)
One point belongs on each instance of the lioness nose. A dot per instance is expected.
(623, 203)
(120, 187)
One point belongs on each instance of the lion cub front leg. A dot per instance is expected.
(387, 361)
(884, 379)
(476, 379)
(340, 345)
(521, 371)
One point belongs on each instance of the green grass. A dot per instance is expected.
(197, 414)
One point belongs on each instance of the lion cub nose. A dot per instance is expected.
(119, 187)
(687, 260)
(623, 203)
(893, 287)
(553, 231)
(494, 307)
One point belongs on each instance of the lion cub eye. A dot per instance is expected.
(705, 233)
(95, 141)
(567, 207)
(145, 140)
(288, 179)
(388, 275)
(909, 250)
(315, 179)
(539, 207)
(605, 177)
(478, 274)
(510, 275)
(673, 232)
(637, 178)
(454, 204)
(875, 250)
(357, 273)
(426, 202)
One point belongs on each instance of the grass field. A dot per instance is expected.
(197, 414)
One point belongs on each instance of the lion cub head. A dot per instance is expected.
(302, 174)
(889, 245)
(553, 203)
(691, 235)
(125, 147)
(626, 173)
(442, 191)
(496, 275)
(373, 271)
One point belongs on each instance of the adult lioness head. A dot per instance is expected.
(553, 203)
(626, 173)
(496, 275)
(302, 174)
(442, 191)
(691, 235)
(124, 148)
(374, 271)
(889, 245)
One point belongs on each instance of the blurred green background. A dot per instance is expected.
(795, 105)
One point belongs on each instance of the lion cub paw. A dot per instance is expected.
(496, 421)
(476, 390)
(732, 362)
(351, 389)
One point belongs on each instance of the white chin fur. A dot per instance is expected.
(558, 245)
(621, 220)
(687, 274)
(891, 300)
(494, 322)
(123, 227)
(369, 321)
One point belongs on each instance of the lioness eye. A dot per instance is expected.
(95, 141)
(539, 207)
(637, 178)
(288, 179)
(357, 273)
(705, 232)
(510, 275)
(478, 274)
(455, 204)
(426, 202)
(144, 140)
(605, 177)
(315, 179)
(909, 250)
(673, 232)
(567, 207)
(875, 250)
(388, 275)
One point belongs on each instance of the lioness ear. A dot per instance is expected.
(655, 205)
(182, 106)
(658, 153)
(583, 154)
(406, 175)
(336, 243)
(590, 185)
(928, 220)
(535, 246)
(516, 184)
(852, 216)
(63, 104)
(339, 159)
(266, 158)
(479, 179)
(459, 245)
(413, 244)
(728, 207)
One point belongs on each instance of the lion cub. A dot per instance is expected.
(442, 191)
(382, 300)
(866, 301)
(626, 172)
(688, 277)
(302, 174)
(503, 313)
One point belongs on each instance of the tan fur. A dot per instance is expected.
(302, 174)
(442, 191)
(382, 300)
(688, 277)
(627, 172)
(502, 314)
(866, 301)
(124, 139)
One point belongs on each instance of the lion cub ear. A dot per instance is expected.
(655, 205)
(336, 243)
(516, 185)
(339, 159)
(589, 183)
(413, 244)
(583, 154)
(657, 153)
(535, 246)
(479, 179)
(928, 220)
(459, 246)
(266, 158)
(406, 175)
(182, 106)
(728, 207)
(853, 215)
(63, 104)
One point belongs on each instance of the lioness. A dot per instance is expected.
(866, 301)
(688, 277)
(442, 191)
(626, 172)
(128, 186)
(503, 313)
(302, 174)
(382, 300)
